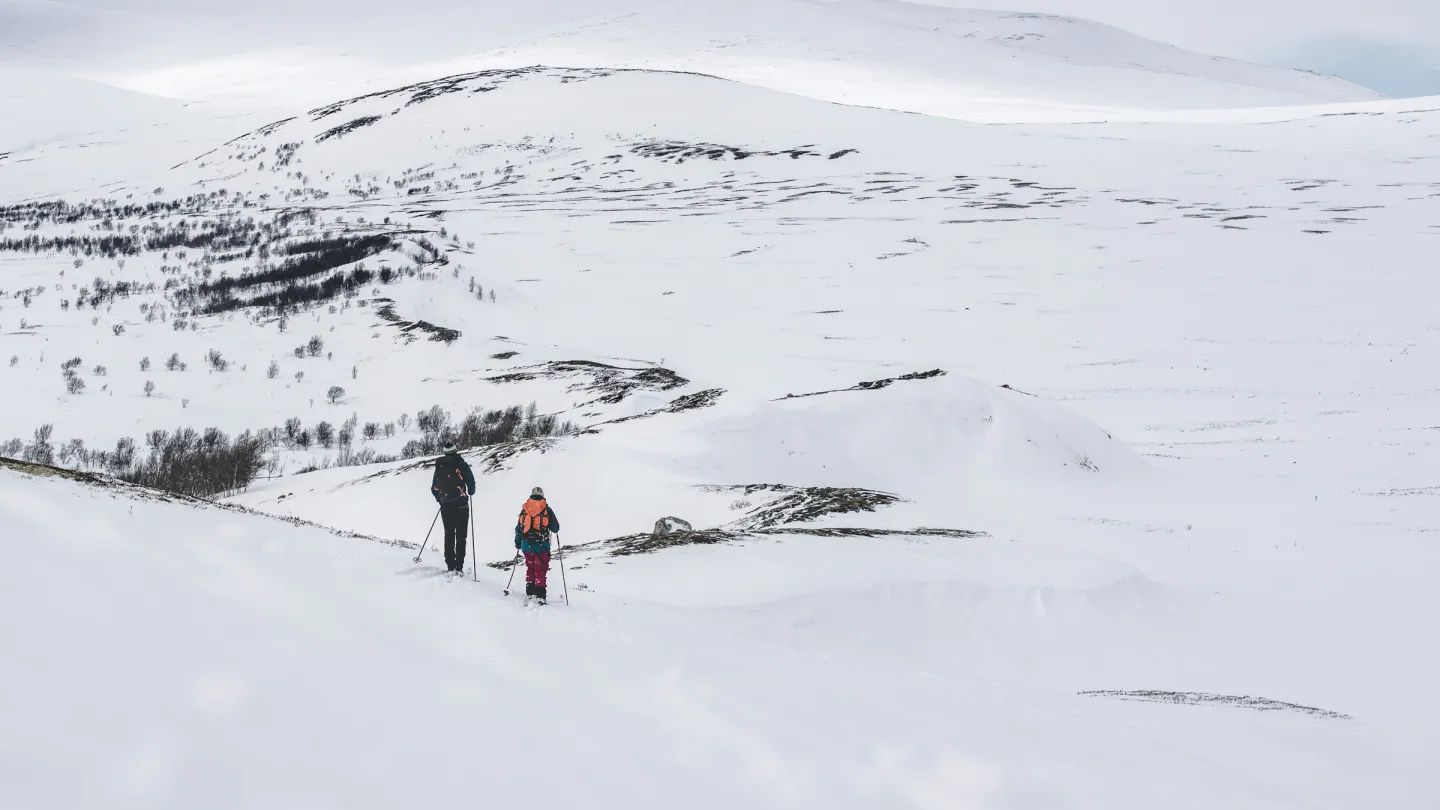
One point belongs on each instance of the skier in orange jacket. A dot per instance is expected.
(532, 538)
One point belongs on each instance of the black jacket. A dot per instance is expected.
(445, 468)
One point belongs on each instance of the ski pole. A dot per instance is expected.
(561, 549)
(427, 535)
(474, 545)
(512, 573)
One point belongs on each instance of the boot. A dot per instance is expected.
(529, 589)
(540, 593)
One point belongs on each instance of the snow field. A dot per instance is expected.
(1212, 474)
(262, 643)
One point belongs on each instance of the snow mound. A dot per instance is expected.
(931, 435)
(975, 605)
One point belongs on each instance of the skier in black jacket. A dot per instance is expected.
(452, 486)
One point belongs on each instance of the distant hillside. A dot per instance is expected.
(954, 62)
(962, 63)
(42, 108)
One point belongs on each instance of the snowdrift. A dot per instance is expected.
(937, 436)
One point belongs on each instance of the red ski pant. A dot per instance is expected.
(536, 567)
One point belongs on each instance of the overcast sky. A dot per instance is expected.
(1389, 45)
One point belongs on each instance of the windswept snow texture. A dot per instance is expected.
(969, 420)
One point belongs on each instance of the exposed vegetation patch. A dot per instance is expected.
(678, 152)
(346, 128)
(789, 505)
(483, 428)
(489, 438)
(1202, 698)
(62, 212)
(439, 334)
(305, 260)
(851, 532)
(689, 402)
(612, 383)
(485, 460)
(207, 463)
(51, 471)
(219, 232)
(648, 543)
(137, 492)
(804, 504)
(188, 462)
(271, 127)
(482, 81)
(873, 385)
(695, 401)
(287, 262)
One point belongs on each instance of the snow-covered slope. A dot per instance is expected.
(97, 135)
(965, 63)
(1206, 475)
(42, 107)
(748, 240)
(190, 655)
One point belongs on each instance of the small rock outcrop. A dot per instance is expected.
(671, 525)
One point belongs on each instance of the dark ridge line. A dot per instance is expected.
(870, 385)
(1202, 698)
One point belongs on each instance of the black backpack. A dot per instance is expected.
(447, 485)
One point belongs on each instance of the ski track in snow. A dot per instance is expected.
(1207, 475)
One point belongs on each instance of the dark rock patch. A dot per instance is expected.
(803, 505)
(438, 334)
(346, 128)
(872, 385)
(1258, 704)
(612, 383)
(678, 152)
